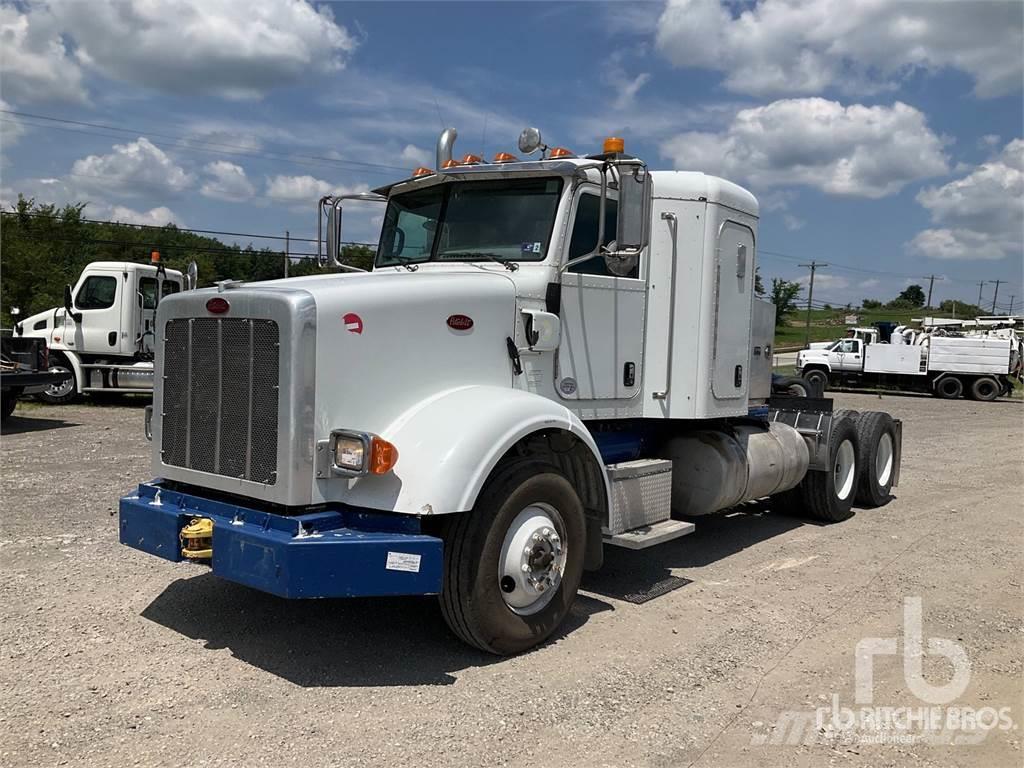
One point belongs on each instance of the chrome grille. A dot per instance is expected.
(220, 397)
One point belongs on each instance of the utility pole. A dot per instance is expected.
(810, 296)
(287, 234)
(931, 282)
(981, 285)
(996, 295)
(1012, 297)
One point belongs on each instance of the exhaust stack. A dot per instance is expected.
(445, 142)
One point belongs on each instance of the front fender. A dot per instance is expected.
(450, 443)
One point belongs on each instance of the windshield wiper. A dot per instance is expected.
(511, 266)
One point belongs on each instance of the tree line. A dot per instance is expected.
(44, 247)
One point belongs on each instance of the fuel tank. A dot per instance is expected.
(717, 469)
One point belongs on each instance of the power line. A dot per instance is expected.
(250, 235)
(191, 144)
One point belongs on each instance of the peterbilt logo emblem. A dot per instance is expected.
(460, 322)
(353, 322)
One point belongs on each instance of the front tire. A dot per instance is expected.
(514, 563)
(817, 380)
(63, 393)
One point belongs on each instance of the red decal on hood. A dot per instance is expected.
(460, 322)
(353, 322)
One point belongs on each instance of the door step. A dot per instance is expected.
(649, 535)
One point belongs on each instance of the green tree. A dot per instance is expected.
(870, 304)
(784, 295)
(913, 295)
(758, 283)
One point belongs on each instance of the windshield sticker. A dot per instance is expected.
(531, 247)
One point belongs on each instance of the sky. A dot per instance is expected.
(883, 138)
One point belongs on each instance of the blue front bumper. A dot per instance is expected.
(328, 553)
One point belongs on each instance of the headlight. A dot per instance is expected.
(349, 452)
(359, 453)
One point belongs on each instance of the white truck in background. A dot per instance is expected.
(103, 336)
(935, 360)
(550, 356)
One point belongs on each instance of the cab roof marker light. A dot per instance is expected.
(614, 145)
(560, 152)
(422, 171)
(450, 163)
(505, 157)
(471, 159)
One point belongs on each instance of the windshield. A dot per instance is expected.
(504, 219)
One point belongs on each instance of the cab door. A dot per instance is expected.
(98, 298)
(600, 356)
(850, 355)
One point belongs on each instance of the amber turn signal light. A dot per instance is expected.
(383, 456)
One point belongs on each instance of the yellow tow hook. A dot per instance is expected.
(197, 539)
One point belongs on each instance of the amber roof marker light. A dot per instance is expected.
(505, 157)
(614, 145)
(558, 152)
(422, 171)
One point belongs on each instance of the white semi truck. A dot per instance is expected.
(979, 365)
(103, 336)
(550, 356)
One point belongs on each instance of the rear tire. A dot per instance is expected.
(817, 380)
(828, 495)
(497, 607)
(985, 389)
(949, 388)
(876, 433)
(8, 401)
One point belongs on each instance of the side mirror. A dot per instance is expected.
(634, 207)
(334, 233)
(69, 307)
(193, 276)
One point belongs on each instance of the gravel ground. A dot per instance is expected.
(111, 657)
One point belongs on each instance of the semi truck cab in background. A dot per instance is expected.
(550, 356)
(103, 337)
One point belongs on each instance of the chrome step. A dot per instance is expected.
(649, 535)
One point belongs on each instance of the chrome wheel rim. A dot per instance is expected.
(532, 559)
(883, 459)
(845, 469)
(66, 387)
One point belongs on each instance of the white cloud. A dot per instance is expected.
(294, 189)
(306, 190)
(793, 223)
(872, 282)
(806, 46)
(416, 156)
(230, 48)
(226, 181)
(131, 169)
(980, 216)
(842, 150)
(34, 61)
(156, 217)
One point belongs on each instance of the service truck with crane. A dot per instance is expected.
(549, 356)
(102, 339)
(937, 359)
